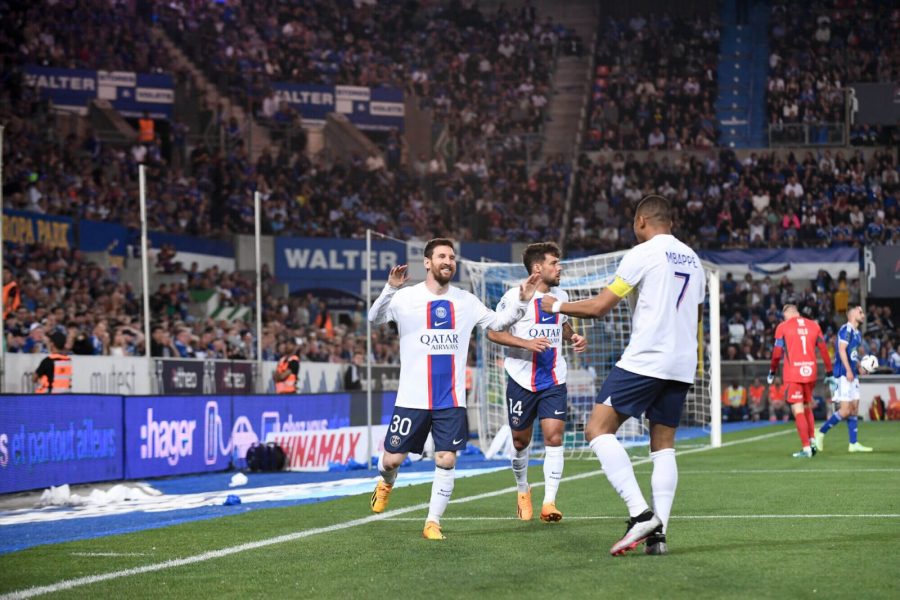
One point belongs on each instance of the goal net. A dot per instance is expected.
(607, 337)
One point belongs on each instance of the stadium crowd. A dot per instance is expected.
(816, 49)
(822, 199)
(655, 84)
(61, 290)
(485, 75)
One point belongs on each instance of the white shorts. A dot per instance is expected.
(846, 391)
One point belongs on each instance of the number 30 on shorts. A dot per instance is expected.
(401, 426)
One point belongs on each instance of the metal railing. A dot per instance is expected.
(808, 134)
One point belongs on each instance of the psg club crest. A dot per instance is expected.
(440, 312)
(395, 440)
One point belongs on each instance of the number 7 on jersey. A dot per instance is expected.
(687, 278)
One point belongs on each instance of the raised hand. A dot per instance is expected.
(547, 303)
(579, 343)
(398, 276)
(526, 290)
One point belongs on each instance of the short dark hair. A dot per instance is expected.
(432, 244)
(58, 340)
(537, 252)
(653, 207)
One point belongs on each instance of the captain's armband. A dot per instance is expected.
(619, 287)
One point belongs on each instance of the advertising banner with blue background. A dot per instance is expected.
(102, 236)
(339, 264)
(174, 435)
(129, 93)
(375, 109)
(54, 440)
(796, 263)
(20, 227)
(306, 263)
(72, 438)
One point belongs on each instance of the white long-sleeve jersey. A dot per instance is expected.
(434, 340)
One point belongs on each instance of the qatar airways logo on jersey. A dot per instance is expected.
(440, 342)
(554, 334)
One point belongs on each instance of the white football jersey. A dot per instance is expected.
(434, 340)
(532, 370)
(670, 284)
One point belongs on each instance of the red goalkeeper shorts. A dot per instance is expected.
(800, 392)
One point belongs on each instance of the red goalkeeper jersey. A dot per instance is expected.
(797, 339)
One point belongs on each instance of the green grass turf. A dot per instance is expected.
(725, 537)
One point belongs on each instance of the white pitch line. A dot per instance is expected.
(673, 517)
(92, 554)
(67, 584)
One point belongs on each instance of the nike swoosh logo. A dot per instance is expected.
(455, 442)
(559, 412)
(439, 323)
(545, 319)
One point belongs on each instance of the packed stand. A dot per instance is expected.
(816, 50)
(84, 178)
(655, 84)
(824, 199)
(483, 75)
(79, 34)
(54, 289)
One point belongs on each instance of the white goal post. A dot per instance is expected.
(607, 337)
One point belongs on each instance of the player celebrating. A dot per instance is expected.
(797, 338)
(846, 372)
(655, 371)
(536, 378)
(435, 322)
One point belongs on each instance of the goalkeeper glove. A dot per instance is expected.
(831, 382)
(770, 377)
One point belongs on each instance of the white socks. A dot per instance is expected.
(619, 472)
(664, 481)
(520, 468)
(389, 476)
(441, 490)
(553, 469)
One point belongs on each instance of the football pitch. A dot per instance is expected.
(749, 521)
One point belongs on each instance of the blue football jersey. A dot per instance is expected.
(852, 338)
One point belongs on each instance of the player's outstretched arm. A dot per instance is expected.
(380, 312)
(504, 338)
(592, 308)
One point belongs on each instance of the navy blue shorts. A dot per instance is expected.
(630, 394)
(409, 429)
(523, 405)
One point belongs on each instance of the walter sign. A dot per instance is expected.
(340, 264)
